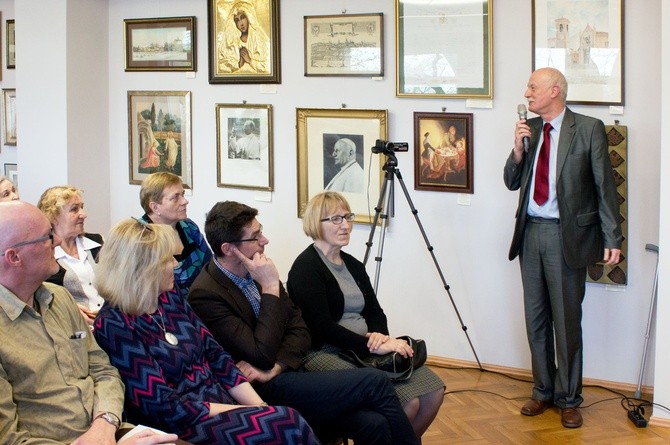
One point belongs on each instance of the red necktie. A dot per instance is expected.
(541, 193)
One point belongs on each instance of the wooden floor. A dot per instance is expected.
(483, 408)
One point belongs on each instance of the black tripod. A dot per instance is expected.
(386, 203)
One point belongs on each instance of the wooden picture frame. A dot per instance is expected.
(585, 41)
(344, 45)
(318, 130)
(10, 44)
(12, 173)
(246, 50)
(444, 49)
(443, 155)
(159, 134)
(9, 116)
(160, 44)
(244, 146)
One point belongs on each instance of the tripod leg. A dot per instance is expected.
(388, 177)
(415, 212)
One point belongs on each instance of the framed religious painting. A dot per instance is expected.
(9, 117)
(333, 145)
(243, 41)
(159, 134)
(444, 48)
(244, 146)
(443, 152)
(160, 44)
(344, 45)
(585, 41)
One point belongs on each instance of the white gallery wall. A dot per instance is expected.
(470, 238)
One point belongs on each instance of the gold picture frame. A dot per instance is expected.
(317, 132)
(243, 41)
(244, 146)
(159, 134)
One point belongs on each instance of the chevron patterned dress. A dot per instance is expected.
(170, 386)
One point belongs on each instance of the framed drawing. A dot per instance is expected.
(244, 146)
(10, 49)
(583, 40)
(12, 173)
(332, 146)
(159, 134)
(344, 45)
(9, 117)
(444, 48)
(160, 44)
(443, 152)
(243, 41)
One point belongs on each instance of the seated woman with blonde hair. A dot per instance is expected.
(177, 377)
(340, 307)
(77, 253)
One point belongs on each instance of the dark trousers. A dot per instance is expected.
(357, 403)
(553, 294)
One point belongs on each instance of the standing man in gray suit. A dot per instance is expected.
(567, 218)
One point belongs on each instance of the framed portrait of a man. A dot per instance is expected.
(334, 153)
(243, 41)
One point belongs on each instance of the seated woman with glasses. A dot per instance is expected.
(177, 377)
(77, 254)
(340, 307)
(163, 201)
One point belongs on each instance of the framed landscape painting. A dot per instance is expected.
(161, 44)
(584, 41)
(159, 134)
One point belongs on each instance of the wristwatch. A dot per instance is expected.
(109, 418)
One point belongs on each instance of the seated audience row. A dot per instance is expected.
(213, 387)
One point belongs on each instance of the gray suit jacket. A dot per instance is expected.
(587, 198)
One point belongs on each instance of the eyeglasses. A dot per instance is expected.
(50, 236)
(337, 219)
(255, 238)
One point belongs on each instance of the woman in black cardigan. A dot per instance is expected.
(340, 307)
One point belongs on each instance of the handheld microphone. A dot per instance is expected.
(523, 114)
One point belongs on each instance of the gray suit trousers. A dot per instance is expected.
(553, 294)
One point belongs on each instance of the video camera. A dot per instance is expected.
(388, 148)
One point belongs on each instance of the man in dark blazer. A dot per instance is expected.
(567, 219)
(238, 295)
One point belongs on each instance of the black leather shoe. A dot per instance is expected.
(571, 418)
(534, 407)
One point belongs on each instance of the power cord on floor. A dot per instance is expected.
(633, 406)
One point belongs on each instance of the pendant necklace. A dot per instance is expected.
(169, 336)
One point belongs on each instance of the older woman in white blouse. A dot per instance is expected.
(78, 251)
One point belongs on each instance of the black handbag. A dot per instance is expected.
(397, 367)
